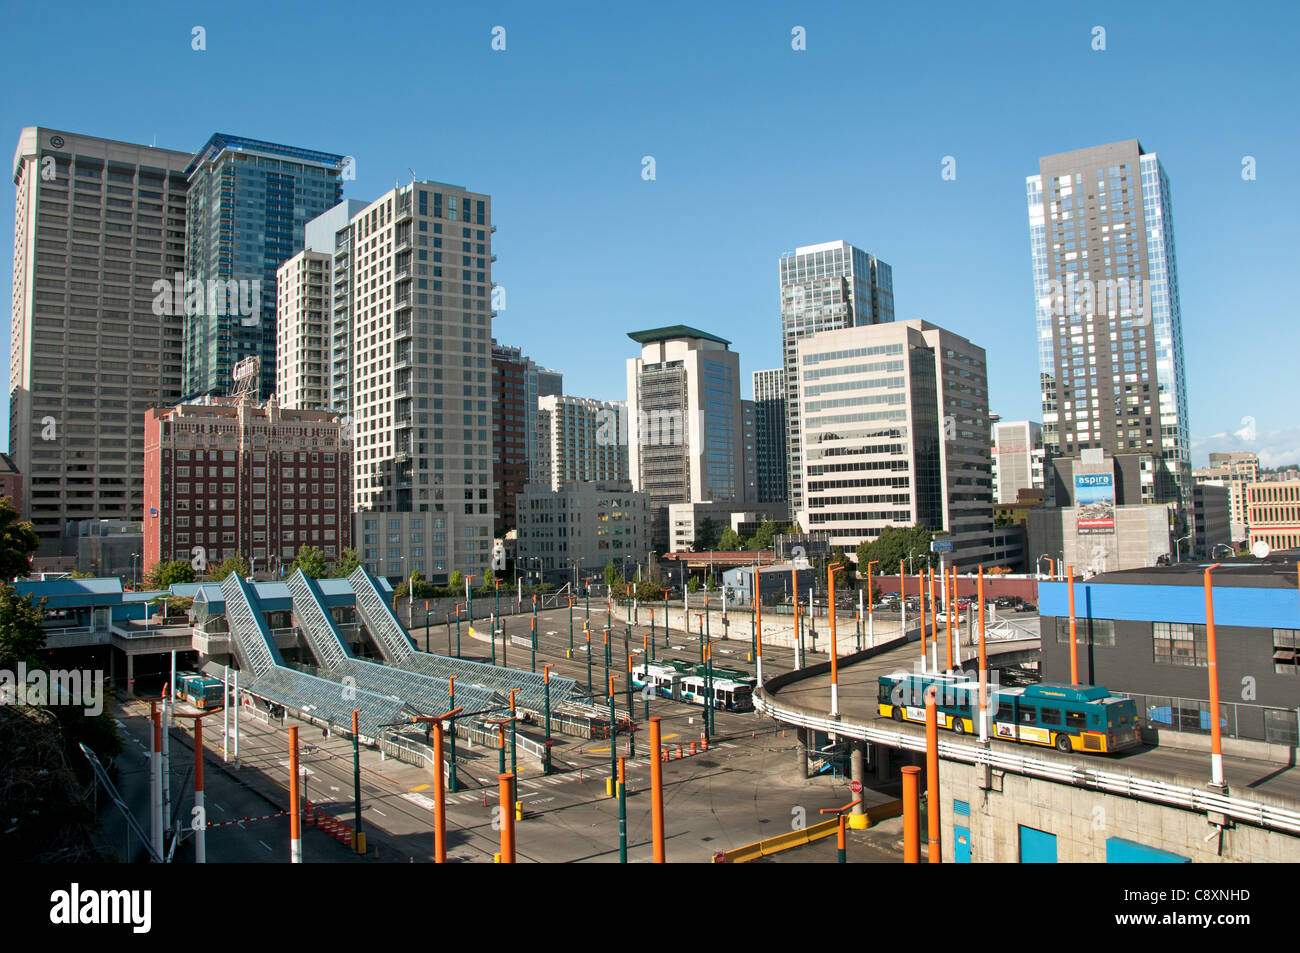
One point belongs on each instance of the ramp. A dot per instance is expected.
(254, 648)
(389, 636)
(316, 623)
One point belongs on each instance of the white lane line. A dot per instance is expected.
(375, 810)
(219, 807)
(529, 783)
(553, 780)
(262, 842)
(425, 802)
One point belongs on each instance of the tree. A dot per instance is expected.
(21, 632)
(729, 541)
(348, 562)
(231, 564)
(612, 576)
(693, 585)
(895, 544)
(310, 560)
(18, 542)
(165, 575)
(77, 574)
(706, 535)
(456, 582)
(649, 592)
(763, 538)
(489, 578)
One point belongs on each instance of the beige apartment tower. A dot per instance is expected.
(99, 243)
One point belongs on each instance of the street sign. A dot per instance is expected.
(856, 787)
(940, 545)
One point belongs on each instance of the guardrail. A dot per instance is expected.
(1161, 792)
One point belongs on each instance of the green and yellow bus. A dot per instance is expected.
(1066, 717)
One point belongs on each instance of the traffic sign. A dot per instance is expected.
(941, 546)
(856, 787)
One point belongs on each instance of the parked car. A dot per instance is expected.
(942, 618)
(1026, 607)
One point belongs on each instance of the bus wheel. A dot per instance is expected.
(897, 713)
(958, 726)
(1063, 743)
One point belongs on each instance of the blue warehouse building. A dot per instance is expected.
(1142, 632)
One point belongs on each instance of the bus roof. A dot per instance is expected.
(1073, 693)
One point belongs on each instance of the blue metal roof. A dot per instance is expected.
(1233, 605)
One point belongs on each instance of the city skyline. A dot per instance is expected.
(968, 275)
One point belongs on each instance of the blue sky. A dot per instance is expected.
(758, 149)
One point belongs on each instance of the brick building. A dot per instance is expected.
(236, 478)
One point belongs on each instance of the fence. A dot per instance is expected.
(1279, 726)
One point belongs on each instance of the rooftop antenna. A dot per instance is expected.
(412, 171)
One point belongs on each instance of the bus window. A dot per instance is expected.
(886, 694)
(1075, 720)
(1004, 712)
(1028, 716)
(1051, 716)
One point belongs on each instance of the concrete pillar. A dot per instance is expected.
(801, 750)
(858, 773)
(130, 674)
(882, 762)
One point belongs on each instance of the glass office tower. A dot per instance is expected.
(1110, 342)
(249, 202)
(824, 288)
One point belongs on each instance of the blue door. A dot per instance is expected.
(1121, 851)
(1037, 847)
(961, 831)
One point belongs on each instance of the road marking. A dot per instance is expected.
(603, 750)
(528, 783)
(420, 787)
(333, 787)
(553, 780)
(726, 744)
(306, 771)
(375, 810)
(664, 738)
(262, 842)
(425, 802)
(219, 807)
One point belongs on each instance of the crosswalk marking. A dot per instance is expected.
(529, 783)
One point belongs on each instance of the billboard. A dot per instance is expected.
(1094, 496)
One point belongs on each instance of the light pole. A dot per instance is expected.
(1178, 548)
(1038, 563)
(134, 557)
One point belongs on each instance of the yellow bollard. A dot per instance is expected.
(519, 810)
(359, 842)
(609, 787)
(496, 858)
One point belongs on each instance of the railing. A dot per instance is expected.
(379, 619)
(1063, 771)
(1267, 723)
(251, 637)
(319, 630)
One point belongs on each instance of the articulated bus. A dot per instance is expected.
(201, 691)
(667, 682)
(1068, 717)
(719, 673)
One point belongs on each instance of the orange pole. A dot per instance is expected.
(932, 771)
(505, 793)
(934, 621)
(794, 575)
(758, 621)
(295, 831)
(1074, 637)
(920, 587)
(1216, 732)
(911, 815)
(950, 584)
(656, 792)
(439, 804)
(984, 666)
(835, 665)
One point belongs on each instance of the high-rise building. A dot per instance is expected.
(248, 204)
(1110, 339)
(231, 478)
(517, 384)
(580, 440)
(895, 433)
(685, 421)
(98, 310)
(413, 271)
(303, 289)
(577, 528)
(1236, 471)
(1017, 459)
(772, 482)
(824, 288)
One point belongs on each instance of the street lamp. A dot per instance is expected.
(134, 557)
(1039, 562)
(1226, 546)
(1178, 549)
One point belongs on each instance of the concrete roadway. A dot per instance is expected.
(858, 701)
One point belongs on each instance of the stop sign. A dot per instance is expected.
(856, 787)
